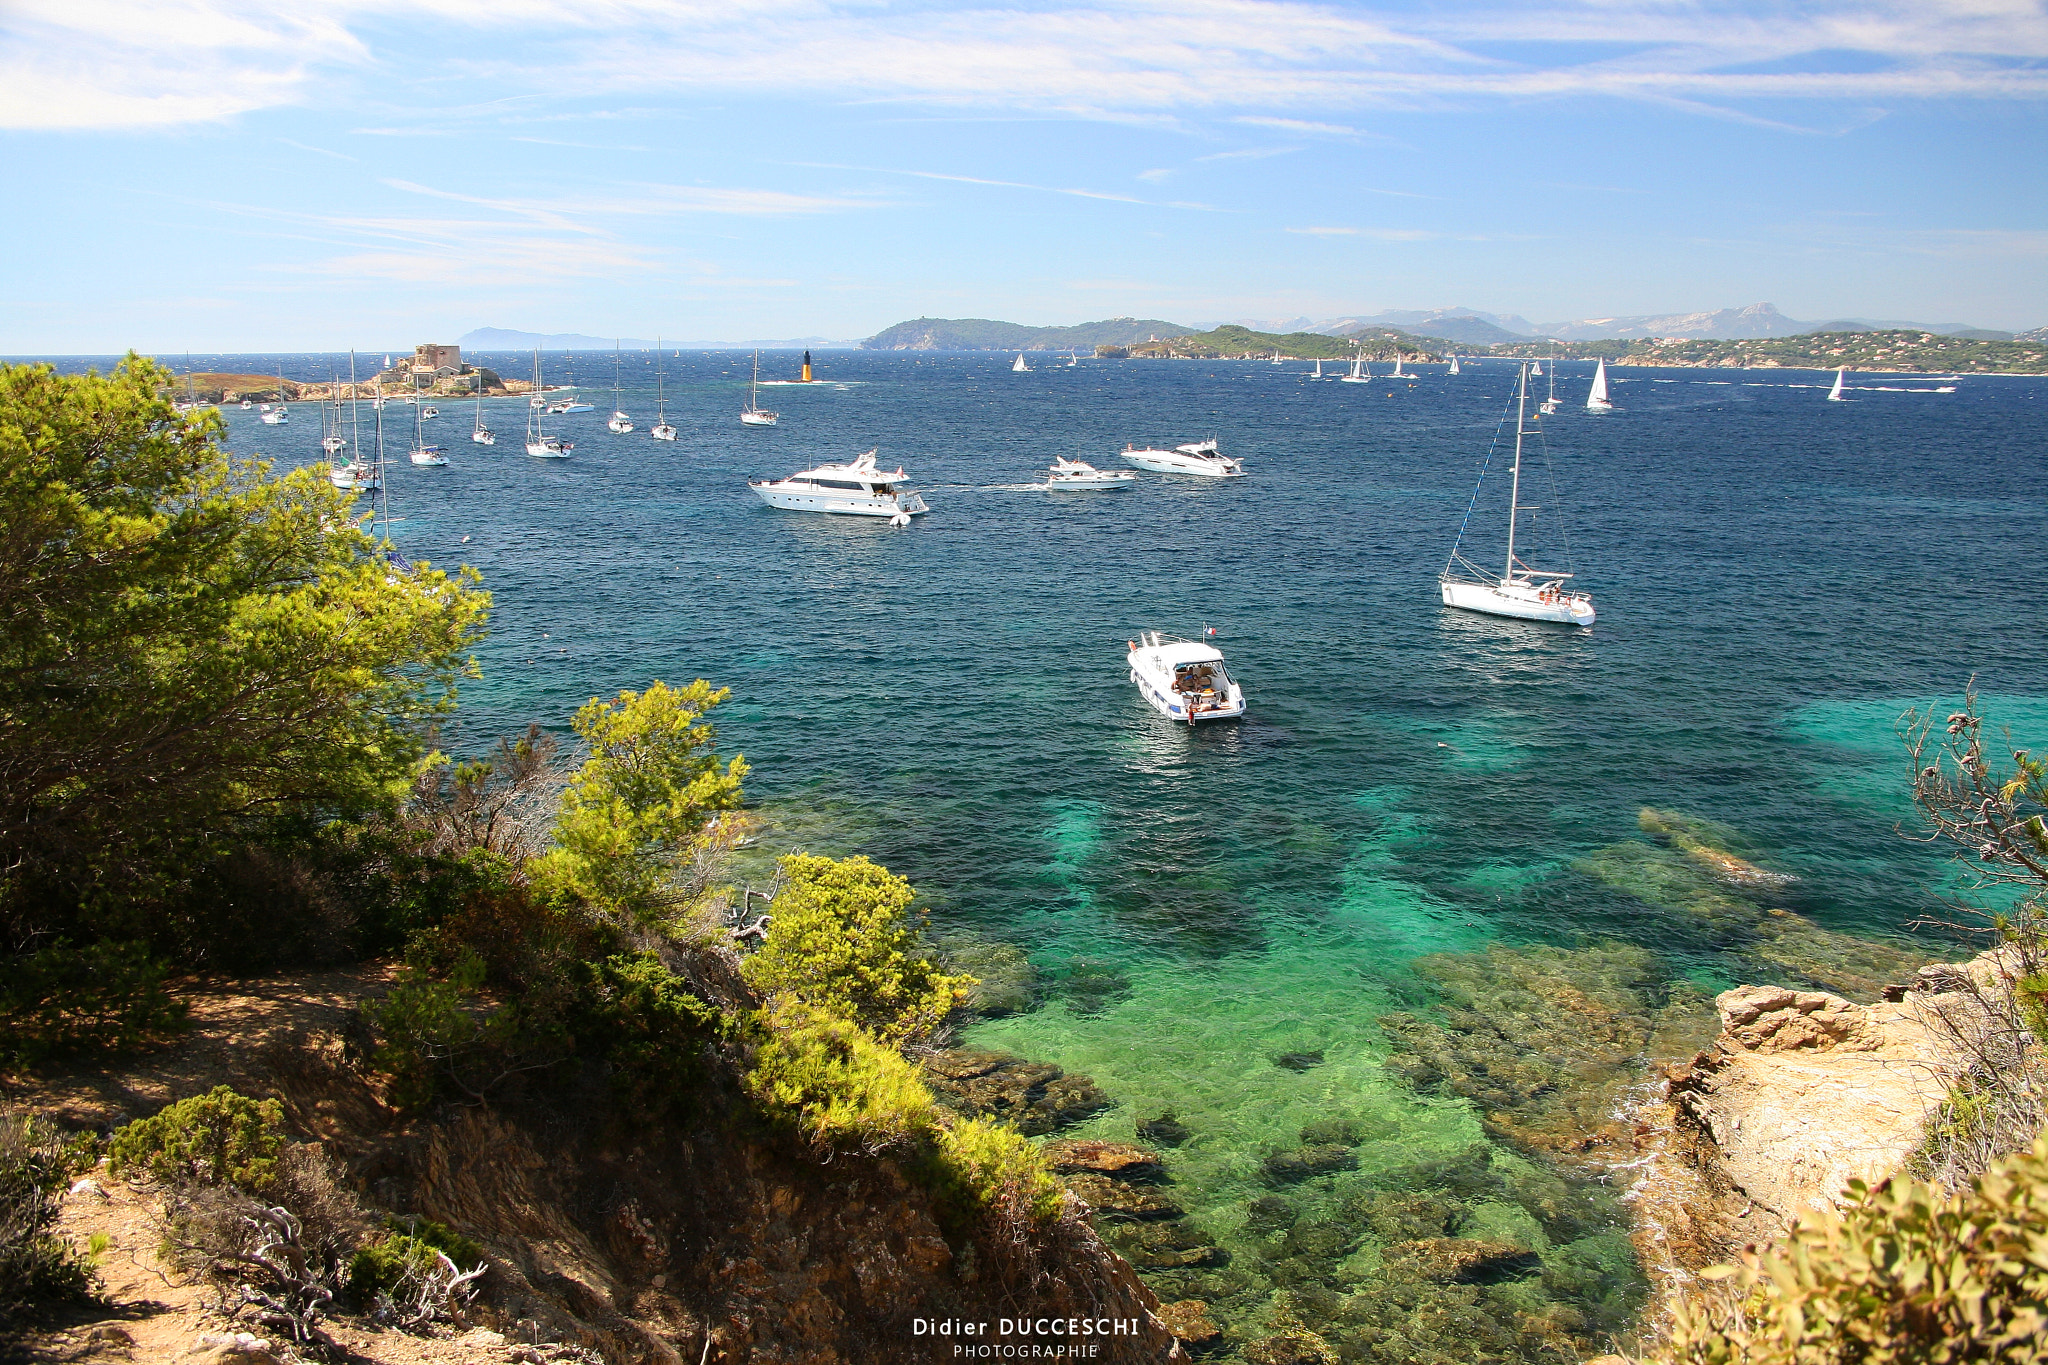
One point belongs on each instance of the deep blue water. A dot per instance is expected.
(1777, 578)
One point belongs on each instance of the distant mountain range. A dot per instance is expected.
(1474, 328)
(986, 334)
(504, 339)
(1468, 326)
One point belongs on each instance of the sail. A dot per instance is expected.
(1598, 394)
(1020, 367)
(1835, 394)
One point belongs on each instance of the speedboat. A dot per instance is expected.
(856, 488)
(1196, 457)
(1066, 473)
(1184, 680)
(355, 477)
(428, 455)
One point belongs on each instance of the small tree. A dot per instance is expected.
(841, 938)
(641, 802)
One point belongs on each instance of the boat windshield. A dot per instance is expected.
(1200, 677)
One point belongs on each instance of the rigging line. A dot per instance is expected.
(1477, 486)
(1556, 508)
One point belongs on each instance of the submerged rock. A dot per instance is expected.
(1091, 987)
(1410, 1217)
(1291, 1168)
(1037, 1097)
(1461, 1260)
(1167, 1246)
(1298, 1061)
(1191, 1325)
(1340, 1132)
(1294, 1347)
(1270, 1213)
(1166, 1130)
(1117, 1201)
(1070, 1156)
(1005, 980)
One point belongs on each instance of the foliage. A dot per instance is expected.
(1233, 340)
(835, 1083)
(632, 812)
(219, 1138)
(415, 1273)
(651, 1030)
(841, 938)
(1911, 1274)
(993, 1166)
(36, 1265)
(101, 998)
(189, 645)
(442, 1031)
(501, 805)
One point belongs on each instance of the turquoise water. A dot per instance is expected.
(1777, 579)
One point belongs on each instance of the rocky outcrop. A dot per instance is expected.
(1036, 1097)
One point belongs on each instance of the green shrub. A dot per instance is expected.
(219, 1138)
(835, 1083)
(841, 938)
(991, 1166)
(650, 1030)
(36, 1266)
(439, 1032)
(408, 1246)
(1911, 1274)
(99, 999)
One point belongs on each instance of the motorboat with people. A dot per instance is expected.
(856, 488)
(1200, 458)
(357, 476)
(1519, 591)
(1066, 473)
(1184, 679)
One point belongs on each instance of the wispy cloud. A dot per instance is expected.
(307, 147)
(1286, 64)
(1249, 154)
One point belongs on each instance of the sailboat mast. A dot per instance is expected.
(355, 419)
(1515, 488)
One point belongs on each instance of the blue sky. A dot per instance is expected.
(255, 175)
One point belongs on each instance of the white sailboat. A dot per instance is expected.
(279, 414)
(661, 430)
(1276, 355)
(1020, 367)
(480, 433)
(1454, 362)
(1400, 373)
(1073, 360)
(1520, 591)
(355, 476)
(332, 442)
(1596, 397)
(421, 452)
(619, 421)
(1537, 371)
(754, 415)
(1319, 370)
(1550, 404)
(1835, 394)
(1361, 371)
(539, 444)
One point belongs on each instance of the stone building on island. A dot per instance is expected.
(439, 361)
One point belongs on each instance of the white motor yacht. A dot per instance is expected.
(1183, 680)
(1196, 457)
(856, 488)
(1066, 473)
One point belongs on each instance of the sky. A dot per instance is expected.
(254, 175)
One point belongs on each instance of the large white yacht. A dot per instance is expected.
(1184, 680)
(1196, 457)
(856, 488)
(1066, 473)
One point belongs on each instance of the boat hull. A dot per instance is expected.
(1524, 605)
(839, 504)
(1168, 462)
(1084, 482)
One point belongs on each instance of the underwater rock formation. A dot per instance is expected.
(1037, 1097)
(1005, 982)
(1167, 1130)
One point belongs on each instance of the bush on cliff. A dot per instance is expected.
(834, 1083)
(1911, 1274)
(841, 938)
(219, 1138)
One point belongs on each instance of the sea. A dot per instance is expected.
(1779, 581)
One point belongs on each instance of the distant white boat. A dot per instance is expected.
(1536, 372)
(1520, 591)
(1020, 367)
(280, 414)
(754, 415)
(1200, 458)
(1361, 371)
(662, 431)
(1276, 355)
(355, 477)
(856, 488)
(432, 455)
(618, 421)
(480, 433)
(1319, 370)
(1550, 404)
(1400, 373)
(1073, 360)
(1454, 363)
(1835, 394)
(1066, 473)
(246, 405)
(1596, 397)
(1183, 680)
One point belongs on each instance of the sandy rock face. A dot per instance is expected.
(1805, 1091)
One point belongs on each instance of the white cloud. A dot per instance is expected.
(1286, 64)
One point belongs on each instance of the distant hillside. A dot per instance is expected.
(2033, 334)
(1894, 349)
(1731, 324)
(985, 334)
(1232, 340)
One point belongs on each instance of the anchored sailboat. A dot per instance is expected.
(1550, 403)
(662, 431)
(480, 433)
(619, 422)
(1520, 591)
(280, 414)
(754, 415)
(538, 443)
(1596, 397)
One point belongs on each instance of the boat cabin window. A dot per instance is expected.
(1200, 677)
(842, 483)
